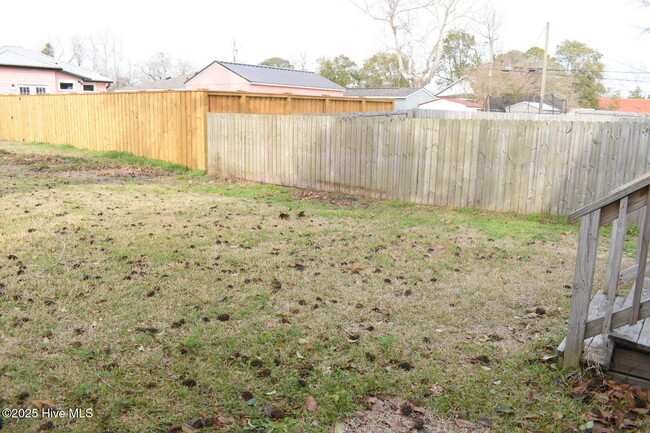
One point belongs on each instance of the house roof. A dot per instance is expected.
(384, 92)
(469, 104)
(625, 105)
(462, 86)
(269, 75)
(22, 57)
(171, 83)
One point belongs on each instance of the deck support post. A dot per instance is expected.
(582, 287)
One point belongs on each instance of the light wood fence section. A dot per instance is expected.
(520, 166)
(163, 125)
(266, 103)
(168, 125)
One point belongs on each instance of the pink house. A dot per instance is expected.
(233, 77)
(25, 72)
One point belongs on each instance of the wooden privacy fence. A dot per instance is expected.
(169, 125)
(520, 166)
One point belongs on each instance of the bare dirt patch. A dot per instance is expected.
(398, 415)
(119, 171)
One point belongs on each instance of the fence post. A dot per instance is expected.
(288, 106)
(582, 284)
(243, 104)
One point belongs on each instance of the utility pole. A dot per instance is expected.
(544, 65)
(234, 50)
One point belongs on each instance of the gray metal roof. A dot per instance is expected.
(19, 56)
(172, 83)
(386, 92)
(280, 76)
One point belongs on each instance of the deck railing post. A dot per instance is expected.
(614, 262)
(582, 287)
(642, 256)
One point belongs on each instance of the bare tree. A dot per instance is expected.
(489, 27)
(300, 60)
(183, 67)
(107, 55)
(79, 48)
(158, 67)
(417, 29)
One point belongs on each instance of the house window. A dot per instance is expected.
(24, 90)
(89, 87)
(41, 90)
(66, 85)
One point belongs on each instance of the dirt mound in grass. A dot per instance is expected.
(397, 415)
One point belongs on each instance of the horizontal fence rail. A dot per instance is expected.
(585, 116)
(520, 166)
(167, 125)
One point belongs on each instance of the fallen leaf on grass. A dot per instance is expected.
(310, 405)
(505, 409)
(44, 404)
(181, 428)
(464, 423)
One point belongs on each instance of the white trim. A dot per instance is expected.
(33, 88)
(88, 84)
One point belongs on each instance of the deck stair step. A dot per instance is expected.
(625, 352)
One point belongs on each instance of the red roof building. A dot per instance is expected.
(625, 105)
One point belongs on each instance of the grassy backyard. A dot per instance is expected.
(167, 300)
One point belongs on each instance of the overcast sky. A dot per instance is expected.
(200, 31)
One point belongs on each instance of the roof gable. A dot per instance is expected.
(22, 57)
(269, 75)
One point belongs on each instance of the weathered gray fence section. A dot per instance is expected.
(506, 165)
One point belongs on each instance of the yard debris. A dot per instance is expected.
(390, 415)
(464, 423)
(620, 406)
(147, 329)
(310, 405)
(273, 412)
(43, 404)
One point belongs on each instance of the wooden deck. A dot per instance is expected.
(625, 352)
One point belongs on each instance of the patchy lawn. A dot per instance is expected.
(160, 297)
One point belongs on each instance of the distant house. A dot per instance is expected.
(235, 77)
(26, 72)
(625, 105)
(170, 83)
(459, 89)
(450, 104)
(532, 107)
(406, 98)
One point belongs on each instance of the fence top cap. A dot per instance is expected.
(612, 196)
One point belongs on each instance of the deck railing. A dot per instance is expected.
(613, 208)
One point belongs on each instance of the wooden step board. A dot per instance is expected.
(599, 349)
(631, 355)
